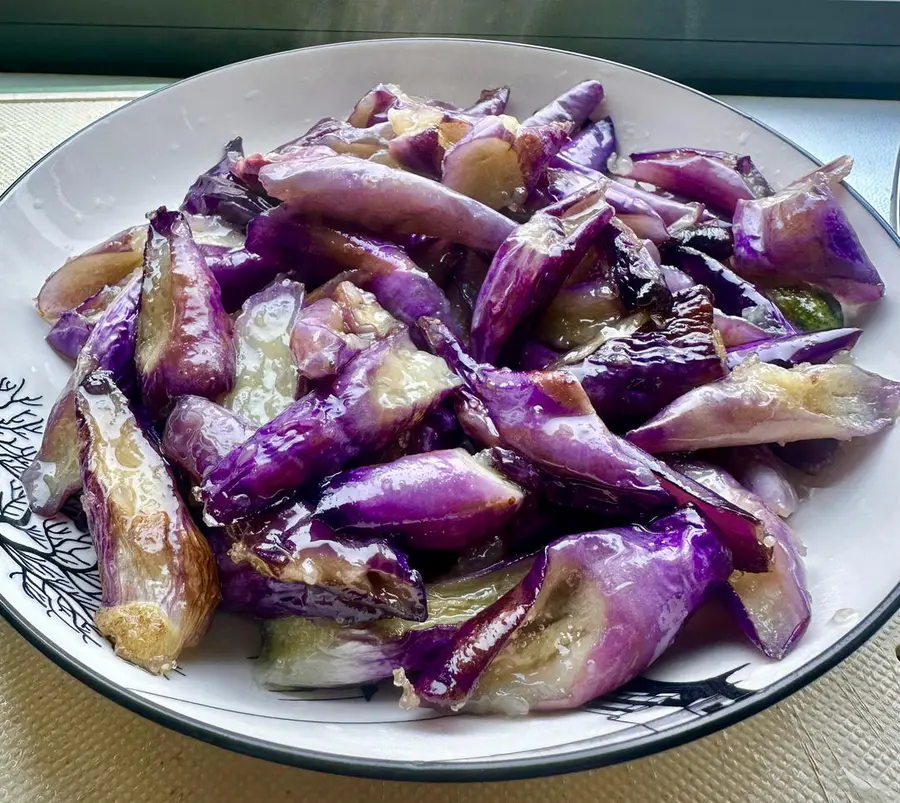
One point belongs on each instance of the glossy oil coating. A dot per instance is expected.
(53, 475)
(595, 610)
(772, 608)
(156, 569)
(445, 500)
(184, 341)
(764, 403)
(384, 390)
(266, 379)
(317, 180)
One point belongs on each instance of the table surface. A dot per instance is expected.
(836, 741)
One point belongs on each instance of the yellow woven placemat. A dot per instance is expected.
(836, 741)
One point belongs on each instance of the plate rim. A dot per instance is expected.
(468, 770)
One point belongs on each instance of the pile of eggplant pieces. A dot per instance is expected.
(477, 404)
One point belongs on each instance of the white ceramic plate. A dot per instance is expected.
(147, 153)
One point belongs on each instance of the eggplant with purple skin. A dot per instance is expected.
(316, 653)
(655, 216)
(71, 330)
(184, 340)
(491, 102)
(320, 343)
(219, 192)
(610, 602)
(629, 379)
(633, 269)
(557, 186)
(590, 148)
(286, 563)
(84, 276)
(199, 433)
(156, 570)
(712, 238)
(336, 327)
(733, 295)
(318, 181)
(764, 403)
(498, 166)
(314, 254)
(372, 107)
(802, 235)
(529, 269)
(445, 500)
(384, 390)
(772, 608)
(790, 350)
(53, 475)
(266, 380)
(761, 473)
(548, 419)
(573, 106)
(343, 137)
(715, 178)
(737, 331)
(420, 151)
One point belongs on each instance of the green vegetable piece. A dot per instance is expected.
(807, 309)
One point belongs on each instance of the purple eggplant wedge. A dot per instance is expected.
(658, 217)
(286, 563)
(320, 343)
(266, 380)
(634, 270)
(590, 148)
(572, 107)
(342, 137)
(715, 178)
(421, 152)
(629, 379)
(802, 235)
(315, 254)
(157, 572)
(764, 403)
(548, 419)
(336, 327)
(184, 340)
(732, 294)
(712, 238)
(491, 102)
(497, 166)
(528, 271)
(384, 390)
(199, 433)
(318, 181)
(611, 601)
(444, 500)
(771, 608)
(790, 350)
(761, 473)
(317, 653)
(218, 192)
(72, 328)
(737, 331)
(84, 276)
(372, 107)
(53, 475)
